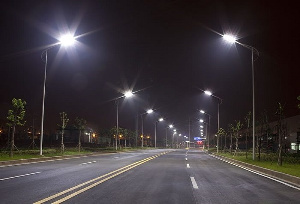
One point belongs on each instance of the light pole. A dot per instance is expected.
(65, 40)
(155, 127)
(203, 112)
(170, 127)
(232, 39)
(149, 111)
(127, 94)
(219, 103)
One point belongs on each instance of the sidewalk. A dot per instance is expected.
(293, 180)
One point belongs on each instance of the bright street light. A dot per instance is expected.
(229, 38)
(128, 94)
(202, 111)
(171, 126)
(208, 93)
(232, 39)
(201, 121)
(65, 40)
(155, 127)
(149, 111)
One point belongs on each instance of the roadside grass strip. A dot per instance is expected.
(96, 181)
(258, 173)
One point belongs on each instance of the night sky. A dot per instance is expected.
(166, 51)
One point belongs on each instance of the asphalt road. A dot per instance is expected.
(148, 176)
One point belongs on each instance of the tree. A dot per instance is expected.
(64, 121)
(230, 130)
(279, 114)
(80, 124)
(238, 126)
(15, 117)
(221, 132)
(247, 122)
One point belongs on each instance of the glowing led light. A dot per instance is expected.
(128, 94)
(229, 38)
(208, 93)
(67, 40)
(149, 111)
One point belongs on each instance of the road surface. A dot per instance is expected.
(145, 176)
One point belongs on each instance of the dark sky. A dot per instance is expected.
(165, 50)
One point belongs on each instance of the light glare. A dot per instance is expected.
(161, 119)
(128, 94)
(67, 40)
(229, 38)
(149, 111)
(202, 111)
(208, 93)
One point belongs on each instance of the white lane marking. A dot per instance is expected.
(195, 186)
(258, 173)
(88, 163)
(12, 177)
(188, 166)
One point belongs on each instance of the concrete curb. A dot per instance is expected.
(271, 173)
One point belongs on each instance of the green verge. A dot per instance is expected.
(291, 168)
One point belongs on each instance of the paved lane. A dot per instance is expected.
(150, 176)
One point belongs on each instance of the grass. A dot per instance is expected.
(291, 168)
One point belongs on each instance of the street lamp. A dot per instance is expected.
(219, 103)
(155, 126)
(170, 127)
(203, 112)
(127, 94)
(149, 111)
(232, 39)
(65, 40)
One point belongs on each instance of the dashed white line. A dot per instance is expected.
(12, 177)
(188, 166)
(195, 186)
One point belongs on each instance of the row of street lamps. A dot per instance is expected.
(68, 40)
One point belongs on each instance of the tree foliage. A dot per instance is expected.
(80, 124)
(16, 118)
(64, 122)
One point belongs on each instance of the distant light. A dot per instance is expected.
(161, 119)
(149, 111)
(171, 126)
(201, 126)
(201, 130)
(174, 130)
(67, 40)
(201, 121)
(229, 38)
(208, 93)
(202, 111)
(179, 134)
(128, 94)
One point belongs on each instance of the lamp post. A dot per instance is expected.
(149, 111)
(170, 126)
(155, 127)
(219, 103)
(232, 39)
(127, 94)
(208, 132)
(65, 40)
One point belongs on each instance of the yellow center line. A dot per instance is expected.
(127, 167)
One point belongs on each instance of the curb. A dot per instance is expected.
(294, 180)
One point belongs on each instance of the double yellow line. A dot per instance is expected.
(96, 181)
